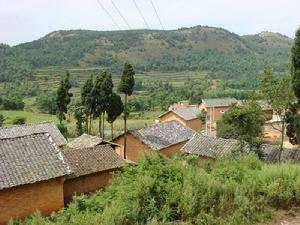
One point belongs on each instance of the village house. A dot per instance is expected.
(167, 138)
(209, 148)
(92, 168)
(215, 107)
(187, 116)
(32, 171)
(27, 129)
(89, 141)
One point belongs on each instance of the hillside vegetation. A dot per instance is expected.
(168, 191)
(199, 48)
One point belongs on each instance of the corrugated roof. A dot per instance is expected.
(88, 141)
(188, 113)
(91, 160)
(210, 146)
(27, 129)
(219, 102)
(29, 159)
(272, 153)
(163, 135)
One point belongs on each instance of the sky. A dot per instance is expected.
(27, 20)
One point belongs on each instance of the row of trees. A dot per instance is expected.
(98, 100)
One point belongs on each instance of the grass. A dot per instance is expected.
(136, 120)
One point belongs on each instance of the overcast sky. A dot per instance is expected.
(27, 20)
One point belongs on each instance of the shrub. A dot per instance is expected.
(19, 120)
(2, 119)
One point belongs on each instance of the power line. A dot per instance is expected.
(124, 19)
(109, 15)
(140, 12)
(161, 24)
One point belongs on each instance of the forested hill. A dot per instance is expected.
(186, 49)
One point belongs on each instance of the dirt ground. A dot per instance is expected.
(286, 217)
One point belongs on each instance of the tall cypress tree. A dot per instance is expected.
(107, 87)
(126, 87)
(114, 110)
(293, 118)
(63, 97)
(86, 101)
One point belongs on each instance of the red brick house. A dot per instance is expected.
(167, 138)
(188, 116)
(32, 171)
(92, 168)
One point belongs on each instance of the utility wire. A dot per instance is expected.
(117, 9)
(140, 12)
(109, 15)
(161, 24)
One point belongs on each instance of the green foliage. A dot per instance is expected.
(63, 97)
(19, 120)
(2, 119)
(162, 190)
(79, 116)
(63, 129)
(202, 116)
(46, 102)
(293, 117)
(127, 80)
(12, 102)
(115, 108)
(242, 122)
(87, 99)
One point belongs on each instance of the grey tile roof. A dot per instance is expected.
(210, 146)
(219, 102)
(264, 105)
(29, 159)
(272, 153)
(189, 113)
(91, 160)
(163, 135)
(88, 141)
(27, 129)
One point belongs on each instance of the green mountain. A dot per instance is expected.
(199, 48)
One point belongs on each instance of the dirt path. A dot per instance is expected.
(289, 217)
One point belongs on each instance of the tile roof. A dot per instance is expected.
(27, 129)
(209, 146)
(219, 102)
(189, 113)
(163, 135)
(88, 141)
(91, 160)
(29, 159)
(264, 105)
(272, 153)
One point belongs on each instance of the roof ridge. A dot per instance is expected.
(26, 135)
(27, 124)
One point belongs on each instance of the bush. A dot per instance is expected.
(18, 120)
(2, 119)
(63, 130)
(13, 103)
(162, 190)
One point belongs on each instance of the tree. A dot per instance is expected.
(126, 87)
(86, 101)
(46, 102)
(79, 115)
(293, 118)
(13, 102)
(272, 90)
(63, 97)
(98, 99)
(114, 110)
(242, 122)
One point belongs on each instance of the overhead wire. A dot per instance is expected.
(121, 15)
(159, 20)
(141, 14)
(109, 15)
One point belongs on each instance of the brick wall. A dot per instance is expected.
(21, 201)
(135, 148)
(87, 183)
(173, 149)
